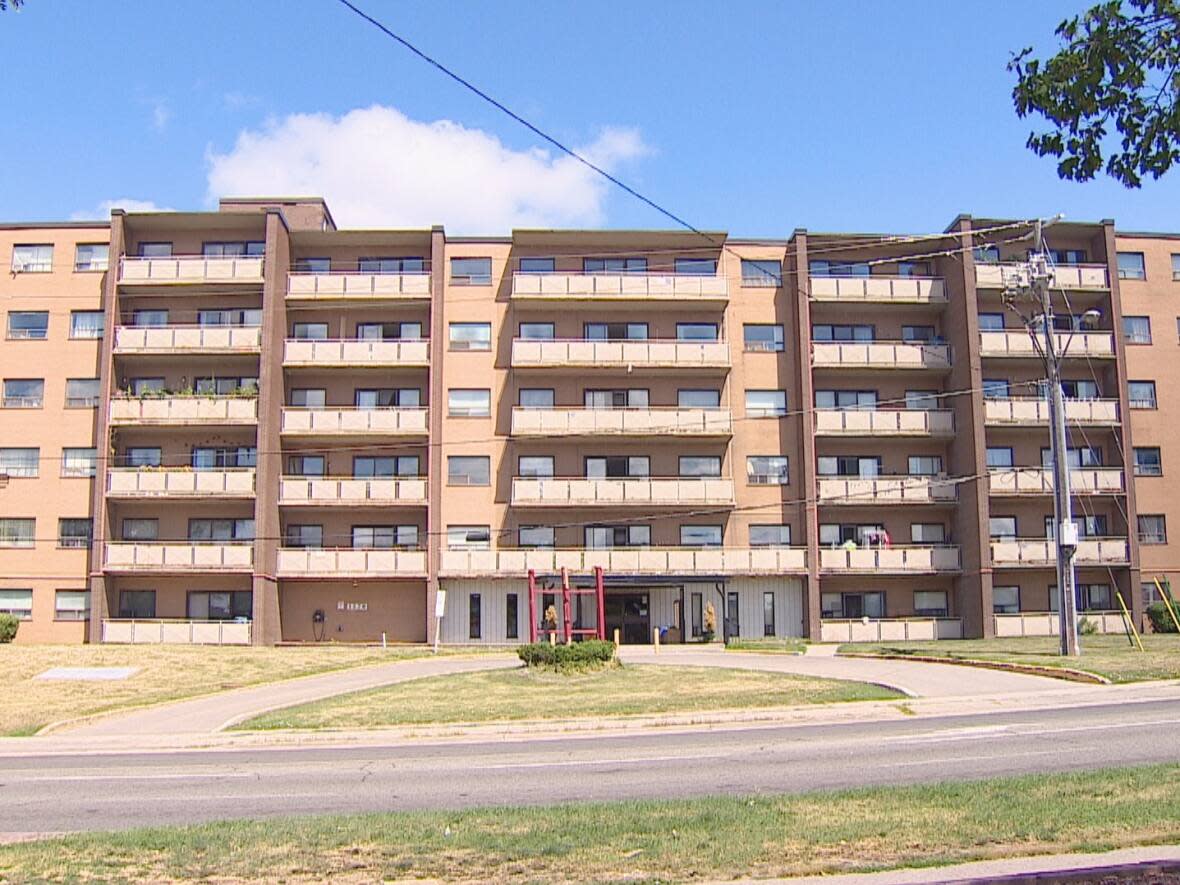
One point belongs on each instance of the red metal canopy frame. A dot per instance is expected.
(569, 631)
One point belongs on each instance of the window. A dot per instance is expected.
(699, 267)
(308, 397)
(149, 318)
(763, 337)
(535, 466)
(79, 462)
(212, 386)
(925, 465)
(613, 331)
(233, 250)
(1075, 457)
(768, 613)
(469, 537)
(1137, 330)
(913, 269)
(137, 603)
(699, 465)
(622, 466)
(86, 324)
(697, 602)
(20, 463)
(759, 272)
(1152, 529)
(770, 536)
(1131, 266)
(384, 537)
(305, 465)
(995, 388)
(91, 256)
(32, 259)
(852, 606)
(366, 466)
(1000, 456)
(71, 605)
(604, 537)
(32, 325)
(24, 393)
(991, 322)
(1090, 597)
(698, 399)
(635, 398)
(471, 271)
(614, 265)
(766, 403)
(474, 616)
(1068, 256)
(696, 331)
(767, 470)
(1006, 600)
(930, 603)
(846, 399)
(389, 331)
(1002, 527)
(1175, 266)
(861, 466)
(223, 457)
(537, 331)
(828, 332)
(536, 398)
(536, 536)
(700, 536)
(313, 265)
(987, 254)
(470, 336)
(927, 533)
(74, 532)
(220, 530)
(732, 615)
(155, 250)
(469, 403)
(1141, 394)
(310, 331)
(304, 536)
(1088, 526)
(17, 532)
(469, 470)
(142, 456)
(512, 616)
(81, 393)
(220, 605)
(240, 317)
(386, 265)
(537, 265)
(923, 399)
(388, 398)
(822, 268)
(18, 603)
(921, 334)
(1147, 461)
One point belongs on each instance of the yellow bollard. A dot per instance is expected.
(616, 637)
(553, 640)
(655, 639)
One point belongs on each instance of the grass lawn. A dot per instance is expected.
(669, 841)
(525, 694)
(166, 673)
(770, 646)
(1109, 656)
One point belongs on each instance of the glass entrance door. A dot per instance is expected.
(629, 613)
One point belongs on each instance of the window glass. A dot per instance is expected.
(1175, 266)
(700, 465)
(913, 269)
(615, 331)
(1006, 600)
(829, 332)
(469, 537)
(155, 250)
(220, 529)
(471, 271)
(698, 399)
(536, 536)
(760, 272)
(1152, 529)
(512, 616)
(927, 533)
(617, 265)
(308, 397)
(17, 531)
(622, 466)
(387, 398)
(925, 465)
(220, 605)
(141, 529)
(634, 398)
(1131, 266)
(705, 267)
(142, 456)
(696, 331)
(464, 403)
(770, 536)
(24, 393)
(537, 466)
(233, 249)
(91, 256)
(384, 537)
(310, 331)
(1148, 461)
(999, 456)
(74, 532)
(536, 398)
(304, 536)
(1068, 256)
(823, 268)
(766, 403)
(991, 322)
(604, 537)
(313, 265)
(71, 605)
(32, 259)
(700, 536)
(768, 613)
(918, 333)
(763, 337)
(470, 336)
(81, 393)
(1002, 527)
(86, 324)
(469, 470)
(474, 616)
(846, 399)
(79, 462)
(28, 324)
(536, 331)
(155, 318)
(246, 316)
(306, 465)
(22, 463)
(18, 603)
(930, 603)
(137, 603)
(767, 470)
(995, 388)
(1137, 330)
(1141, 394)
(537, 265)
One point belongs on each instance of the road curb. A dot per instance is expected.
(1065, 674)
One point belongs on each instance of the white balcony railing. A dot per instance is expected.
(298, 562)
(1018, 343)
(619, 287)
(884, 422)
(347, 285)
(1042, 552)
(184, 410)
(883, 290)
(190, 269)
(670, 421)
(188, 339)
(344, 421)
(355, 352)
(653, 561)
(889, 629)
(880, 355)
(160, 631)
(529, 353)
(1049, 623)
(1018, 481)
(620, 492)
(155, 482)
(1033, 412)
(887, 490)
(1065, 276)
(902, 560)
(144, 556)
(327, 491)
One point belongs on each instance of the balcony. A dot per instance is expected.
(1066, 276)
(353, 422)
(879, 290)
(184, 410)
(299, 562)
(533, 354)
(906, 560)
(364, 287)
(872, 491)
(668, 421)
(155, 482)
(1020, 481)
(1042, 552)
(187, 269)
(620, 492)
(885, 422)
(160, 631)
(641, 288)
(188, 339)
(1019, 344)
(658, 562)
(176, 558)
(357, 354)
(890, 629)
(1033, 412)
(880, 355)
(1049, 623)
(327, 491)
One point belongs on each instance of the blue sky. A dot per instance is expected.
(752, 117)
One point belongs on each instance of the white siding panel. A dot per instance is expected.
(494, 609)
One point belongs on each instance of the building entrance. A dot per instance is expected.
(630, 614)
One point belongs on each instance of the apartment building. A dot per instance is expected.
(300, 433)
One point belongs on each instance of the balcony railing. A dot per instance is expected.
(620, 492)
(1018, 343)
(529, 353)
(215, 410)
(300, 562)
(1042, 552)
(1065, 276)
(879, 290)
(642, 561)
(669, 421)
(159, 631)
(165, 557)
(619, 287)
(1032, 412)
(176, 269)
(1018, 481)
(344, 421)
(884, 422)
(889, 629)
(328, 491)
(904, 560)
(1049, 623)
(355, 352)
(880, 355)
(362, 286)
(188, 339)
(855, 491)
(154, 482)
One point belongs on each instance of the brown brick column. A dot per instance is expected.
(434, 454)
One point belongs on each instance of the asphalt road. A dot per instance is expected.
(55, 792)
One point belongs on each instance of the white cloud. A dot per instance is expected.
(161, 114)
(378, 168)
(103, 209)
